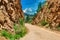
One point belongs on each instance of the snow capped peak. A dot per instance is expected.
(24, 10)
(29, 11)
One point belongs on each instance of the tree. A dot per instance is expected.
(39, 7)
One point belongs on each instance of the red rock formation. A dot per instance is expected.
(49, 12)
(10, 13)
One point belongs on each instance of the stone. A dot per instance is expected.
(52, 17)
(10, 13)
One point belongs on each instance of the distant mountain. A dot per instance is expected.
(32, 11)
(29, 11)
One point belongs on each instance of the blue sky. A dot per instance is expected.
(30, 4)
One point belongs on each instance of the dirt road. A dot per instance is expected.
(37, 33)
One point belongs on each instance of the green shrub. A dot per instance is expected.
(30, 21)
(6, 34)
(18, 34)
(15, 27)
(27, 18)
(21, 21)
(58, 28)
(43, 23)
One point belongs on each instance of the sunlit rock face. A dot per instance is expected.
(49, 12)
(10, 13)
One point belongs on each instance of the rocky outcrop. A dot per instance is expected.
(10, 13)
(50, 12)
(3, 38)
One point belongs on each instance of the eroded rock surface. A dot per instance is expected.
(49, 12)
(10, 13)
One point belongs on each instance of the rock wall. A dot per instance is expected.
(49, 12)
(10, 13)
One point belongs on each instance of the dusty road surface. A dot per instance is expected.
(37, 33)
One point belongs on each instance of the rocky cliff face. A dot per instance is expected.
(10, 13)
(50, 12)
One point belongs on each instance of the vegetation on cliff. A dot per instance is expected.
(50, 13)
(11, 19)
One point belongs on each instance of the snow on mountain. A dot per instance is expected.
(29, 11)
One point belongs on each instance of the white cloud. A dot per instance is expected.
(27, 9)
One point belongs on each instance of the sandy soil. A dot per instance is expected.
(37, 33)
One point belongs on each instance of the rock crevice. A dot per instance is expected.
(10, 13)
(49, 12)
